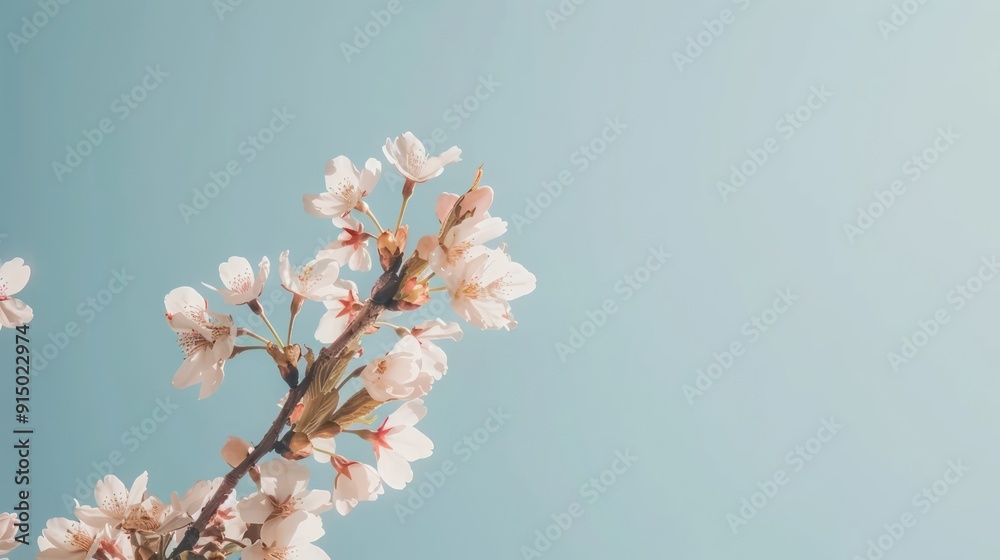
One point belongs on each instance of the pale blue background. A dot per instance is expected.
(655, 186)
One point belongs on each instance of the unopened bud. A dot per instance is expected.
(235, 451)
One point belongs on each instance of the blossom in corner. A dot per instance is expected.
(346, 187)
(283, 492)
(290, 537)
(397, 443)
(407, 154)
(341, 307)
(241, 285)
(8, 533)
(398, 375)
(14, 276)
(350, 248)
(482, 285)
(355, 482)
(207, 339)
(65, 539)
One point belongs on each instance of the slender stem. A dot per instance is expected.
(378, 226)
(355, 373)
(367, 316)
(241, 349)
(245, 332)
(274, 332)
(429, 276)
(291, 325)
(402, 210)
(324, 452)
(439, 289)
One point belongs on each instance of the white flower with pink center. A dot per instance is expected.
(341, 307)
(350, 248)
(355, 483)
(397, 443)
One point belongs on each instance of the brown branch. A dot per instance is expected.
(365, 318)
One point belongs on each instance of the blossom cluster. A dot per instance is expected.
(282, 519)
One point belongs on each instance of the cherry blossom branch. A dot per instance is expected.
(365, 318)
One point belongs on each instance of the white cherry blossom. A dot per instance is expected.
(290, 538)
(346, 187)
(407, 154)
(398, 375)
(482, 285)
(350, 248)
(14, 276)
(206, 338)
(65, 539)
(8, 533)
(241, 286)
(460, 241)
(397, 443)
(123, 508)
(315, 281)
(434, 360)
(355, 482)
(283, 492)
(341, 307)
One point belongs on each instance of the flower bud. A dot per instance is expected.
(235, 451)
